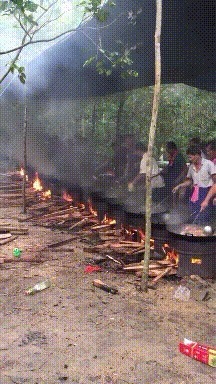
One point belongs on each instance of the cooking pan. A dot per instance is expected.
(191, 231)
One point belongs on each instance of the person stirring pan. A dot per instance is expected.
(201, 176)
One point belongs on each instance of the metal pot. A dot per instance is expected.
(192, 231)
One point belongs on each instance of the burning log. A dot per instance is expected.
(101, 227)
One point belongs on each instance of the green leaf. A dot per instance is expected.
(102, 15)
(89, 61)
(21, 69)
(3, 5)
(30, 6)
(22, 79)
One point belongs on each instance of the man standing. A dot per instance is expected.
(201, 175)
(211, 150)
(176, 170)
(157, 179)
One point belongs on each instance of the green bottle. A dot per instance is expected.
(17, 252)
(38, 287)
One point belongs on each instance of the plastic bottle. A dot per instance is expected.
(38, 287)
(182, 293)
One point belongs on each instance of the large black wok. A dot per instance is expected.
(192, 232)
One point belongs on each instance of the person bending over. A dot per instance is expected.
(201, 176)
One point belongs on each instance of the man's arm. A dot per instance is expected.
(187, 183)
(210, 194)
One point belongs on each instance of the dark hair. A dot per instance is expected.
(194, 150)
(141, 146)
(211, 144)
(171, 145)
(195, 141)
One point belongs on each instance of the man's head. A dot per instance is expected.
(194, 154)
(211, 149)
(194, 141)
(140, 148)
(171, 148)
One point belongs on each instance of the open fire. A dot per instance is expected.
(66, 196)
(170, 253)
(109, 221)
(22, 173)
(38, 187)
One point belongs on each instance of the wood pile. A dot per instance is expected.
(115, 246)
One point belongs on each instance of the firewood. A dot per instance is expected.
(5, 235)
(10, 195)
(79, 224)
(101, 226)
(5, 241)
(133, 268)
(164, 262)
(14, 230)
(162, 274)
(139, 266)
(132, 243)
(120, 262)
(156, 272)
(100, 284)
(62, 242)
(62, 249)
(57, 213)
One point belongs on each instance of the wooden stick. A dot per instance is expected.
(162, 274)
(104, 287)
(14, 230)
(62, 242)
(79, 224)
(2, 242)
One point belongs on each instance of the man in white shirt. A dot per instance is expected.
(201, 175)
(157, 180)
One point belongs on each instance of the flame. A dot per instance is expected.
(22, 173)
(135, 234)
(91, 210)
(66, 196)
(170, 253)
(81, 206)
(46, 194)
(107, 220)
(37, 183)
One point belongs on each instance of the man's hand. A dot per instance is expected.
(203, 205)
(175, 189)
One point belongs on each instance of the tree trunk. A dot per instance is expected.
(155, 107)
(24, 157)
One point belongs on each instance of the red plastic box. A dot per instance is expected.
(203, 353)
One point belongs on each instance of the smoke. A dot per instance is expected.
(176, 216)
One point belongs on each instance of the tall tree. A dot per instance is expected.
(152, 131)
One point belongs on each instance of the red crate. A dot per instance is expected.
(203, 353)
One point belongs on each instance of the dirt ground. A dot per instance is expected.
(75, 333)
